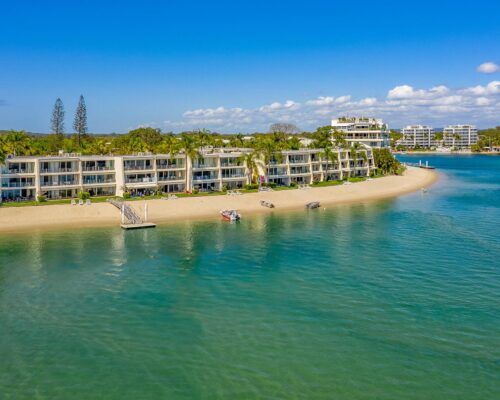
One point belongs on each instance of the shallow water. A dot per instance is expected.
(397, 299)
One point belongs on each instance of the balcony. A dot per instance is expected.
(169, 178)
(205, 178)
(58, 170)
(170, 166)
(56, 183)
(138, 167)
(17, 184)
(99, 181)
(98, 168)
(6, 171)
(234, 176)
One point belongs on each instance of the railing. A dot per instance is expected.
(205, 178)
(128, 211)
(57, 170)
(90, 169)
(17, 184)
(65, 183)
(16, 171)
(141, 180)
(233, 176)
(170, 178)
(137, 167)
(97, 181)
(169, 166)
(202, 166)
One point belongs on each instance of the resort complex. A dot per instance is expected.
(213, 169)
(369, 131)
(452, 136)
(417, 136)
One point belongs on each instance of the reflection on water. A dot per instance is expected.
(395, 299)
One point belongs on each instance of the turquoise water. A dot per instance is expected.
(390, 300)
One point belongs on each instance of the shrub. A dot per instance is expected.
(251, 186)
(83, 195)
(293, 184)
(126, 195)
(272, 185)
(41, 199)
(196, 191)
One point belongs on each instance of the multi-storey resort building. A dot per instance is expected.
(460, 135)
(417, 136)
(369, 131)
(63, 176)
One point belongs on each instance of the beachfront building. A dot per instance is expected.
(460, 135)
(307, 166)
(417, 136)
(372, 132)
(65, 175)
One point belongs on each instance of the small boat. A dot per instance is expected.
(230, 215)
(312, 204)
(266, 203)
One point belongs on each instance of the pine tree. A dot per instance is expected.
(57, 121)
(80, 124)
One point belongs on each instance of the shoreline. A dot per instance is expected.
(451, 153)
(19, 219)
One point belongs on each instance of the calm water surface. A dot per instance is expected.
(390, 300)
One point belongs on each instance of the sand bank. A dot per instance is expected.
(162, 211)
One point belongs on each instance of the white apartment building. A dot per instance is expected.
(63, 176)
(460, 135)
(417, 136)
(368, 131)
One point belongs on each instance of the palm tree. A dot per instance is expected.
(339, 139)
(17, 143)
(456, 136)
(438, 137)
(251, 161)
(3, 153)
(190, 146)
(268, 149)
(204, 137)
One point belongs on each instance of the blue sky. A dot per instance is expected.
(239, 66)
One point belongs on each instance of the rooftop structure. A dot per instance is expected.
(372, 132)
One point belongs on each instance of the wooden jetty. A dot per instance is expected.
(130, 219)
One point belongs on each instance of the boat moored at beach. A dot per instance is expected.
(230, 215)
(266, 203)
(312, 205)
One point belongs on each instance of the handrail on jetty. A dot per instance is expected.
(128, 211)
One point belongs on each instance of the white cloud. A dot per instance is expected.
(342, 99)
(403, 104)
(321, 101)
(488, 68)
(368, 101)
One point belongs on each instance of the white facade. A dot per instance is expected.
(460, 135)
(64, 176)
(417, 136)
(368, 131)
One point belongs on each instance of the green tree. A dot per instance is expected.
(17, 143)
(251, 161)
(386, 162)
(80, 122)
(190, 146)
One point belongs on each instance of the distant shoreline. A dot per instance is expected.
(19, 219)
(451, 153)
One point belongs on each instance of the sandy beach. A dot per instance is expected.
(164, 211)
